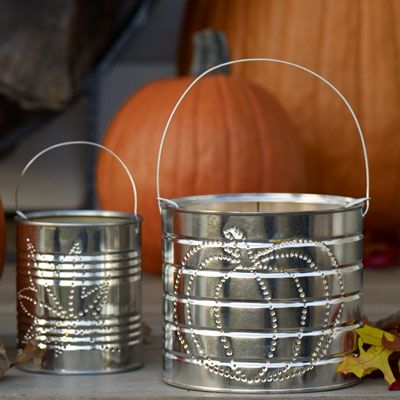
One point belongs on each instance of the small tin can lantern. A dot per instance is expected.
(262, 292)
(79, 287)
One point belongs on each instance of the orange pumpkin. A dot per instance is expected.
(229, 135)
(2, 237)
(356, 45)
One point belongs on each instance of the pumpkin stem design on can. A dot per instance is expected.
(238, 254)
(48, 298)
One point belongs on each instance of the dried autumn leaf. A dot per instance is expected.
(391, 323)
(374, 336)
(391, 344)
(375, 346)
(4, 361)
(378, 357)
(29, 352)
(353, 364)
(375, 358)
(395, 385)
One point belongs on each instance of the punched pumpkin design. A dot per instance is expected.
(356, 46)
(2, 237)
(228, 136)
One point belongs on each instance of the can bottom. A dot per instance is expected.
(194, 377)
(27, 368)
(260, 391)
(85, 362)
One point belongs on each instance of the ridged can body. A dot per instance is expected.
(262, 293)
(79, 291)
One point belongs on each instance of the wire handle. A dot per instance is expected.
(64, 144)
(273, 60)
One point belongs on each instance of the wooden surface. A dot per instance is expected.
(381, 299)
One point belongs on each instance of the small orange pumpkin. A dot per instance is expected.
(229, 135)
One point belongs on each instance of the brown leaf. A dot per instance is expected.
(391, 344)
(4, 361)
(389, 323)
(29, 352)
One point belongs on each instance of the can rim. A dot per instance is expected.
(121, 218)
(339, 203)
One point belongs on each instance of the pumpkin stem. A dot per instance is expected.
(210, 48)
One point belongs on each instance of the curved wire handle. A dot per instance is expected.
(63, 144)
(273, 60)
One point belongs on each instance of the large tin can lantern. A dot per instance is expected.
(79, 287)
(262, 292)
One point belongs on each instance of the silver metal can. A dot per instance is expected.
(265, 299)
(262, 292)
(79, 290)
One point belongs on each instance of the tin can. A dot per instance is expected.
(262, 292)
(79, 287)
